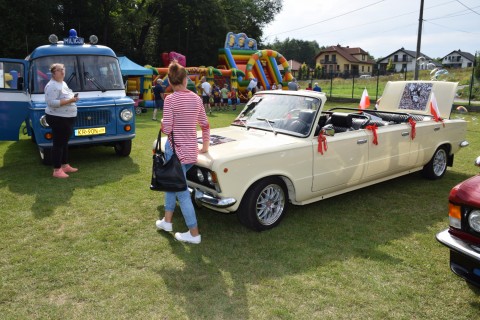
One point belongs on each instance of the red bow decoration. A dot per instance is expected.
(322, 142)
(412, 123)
(373, 128)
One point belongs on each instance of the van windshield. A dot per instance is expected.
(82, 73)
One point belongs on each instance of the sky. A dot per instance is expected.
(381, 27)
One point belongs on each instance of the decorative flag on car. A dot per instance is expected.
(434, 108)
(365, 100)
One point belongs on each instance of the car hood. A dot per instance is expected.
(415, 96)
(237, 142)
(467, 192)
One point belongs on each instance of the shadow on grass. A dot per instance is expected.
(233, 261)
(23, 173)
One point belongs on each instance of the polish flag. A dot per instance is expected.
(365, 100)
(434, 108)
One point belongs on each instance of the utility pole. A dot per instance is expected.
(419, 40)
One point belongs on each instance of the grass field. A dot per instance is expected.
(87, 248)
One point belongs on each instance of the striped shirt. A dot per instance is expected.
(182, 111)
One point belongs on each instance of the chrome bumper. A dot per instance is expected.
(211, 200)
(454, 243)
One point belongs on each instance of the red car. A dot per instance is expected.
(463, 235)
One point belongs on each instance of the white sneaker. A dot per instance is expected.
(164, 225)
(187, 237)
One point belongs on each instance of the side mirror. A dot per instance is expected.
(328, 130)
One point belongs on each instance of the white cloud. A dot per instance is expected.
(381, 27)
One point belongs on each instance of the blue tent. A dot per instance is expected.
(130, 68)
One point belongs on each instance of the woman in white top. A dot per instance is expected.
(61, 112)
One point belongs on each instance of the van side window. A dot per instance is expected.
(11, 76)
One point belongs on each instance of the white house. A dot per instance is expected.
(404, 60)
(458, 59)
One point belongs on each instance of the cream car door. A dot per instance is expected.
(391, 154)
(343, 163)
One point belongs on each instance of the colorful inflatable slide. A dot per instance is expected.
(240, 53)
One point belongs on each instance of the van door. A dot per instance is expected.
(14, 97)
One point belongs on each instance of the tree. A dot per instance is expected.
(140, 29)
(298, 50)
(390, 66)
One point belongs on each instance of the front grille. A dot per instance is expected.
(92, 118)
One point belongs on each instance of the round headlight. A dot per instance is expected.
(43, 121)
(126, 115)
(474, 220)
(93, 39)
(53, 39)
(200, 176)
(210, 178)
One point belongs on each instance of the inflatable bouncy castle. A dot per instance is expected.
(240, 53)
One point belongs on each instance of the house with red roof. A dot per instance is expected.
(345, 61)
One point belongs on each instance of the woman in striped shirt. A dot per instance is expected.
(182, 111)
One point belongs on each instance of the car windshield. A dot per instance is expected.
(82, 73)
(279, 113)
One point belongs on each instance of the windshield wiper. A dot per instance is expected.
(94, 81)
(72, 75)
(269, 123)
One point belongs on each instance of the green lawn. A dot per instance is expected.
(87, 248)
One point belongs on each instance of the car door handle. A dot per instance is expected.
(404, 134)
(362, 141)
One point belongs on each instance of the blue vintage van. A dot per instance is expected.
(105, 114)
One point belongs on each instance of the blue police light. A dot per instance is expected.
(73, 39)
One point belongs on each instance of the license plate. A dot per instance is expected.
(89, 131)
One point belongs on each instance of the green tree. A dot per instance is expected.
(140, 29)
(390, 66)
(298, 50)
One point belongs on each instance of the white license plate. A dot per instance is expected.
(89, 131)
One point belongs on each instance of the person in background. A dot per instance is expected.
(206, 91)
(224, 93)
(61, 112)
(309, 87)
(183, 110)
(317, 88)
(159, 94)
(216, 98)
(233, 98)
(293, 85)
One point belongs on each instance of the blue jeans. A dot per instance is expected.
(183, 197)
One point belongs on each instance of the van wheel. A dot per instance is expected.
(123, 148)
(264, 204)
(45, 155)
(437, 166)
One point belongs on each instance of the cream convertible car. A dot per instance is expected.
(284, 147)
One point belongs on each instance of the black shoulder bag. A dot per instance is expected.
(167, 175)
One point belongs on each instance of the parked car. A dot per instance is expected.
(365, 76)
(463, 235)
(286, 148)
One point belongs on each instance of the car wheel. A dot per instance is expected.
(264, 204)
(437, 166)
(123, 148)
(45, 155)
